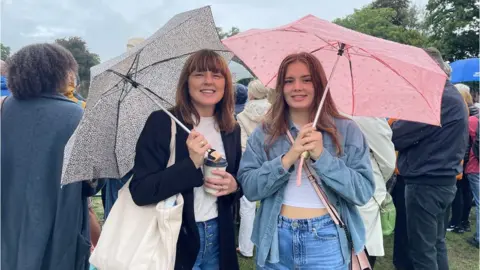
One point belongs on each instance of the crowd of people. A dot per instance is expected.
(263, 134)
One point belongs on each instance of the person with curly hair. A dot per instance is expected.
(44, 225)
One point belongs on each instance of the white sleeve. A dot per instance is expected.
(379, 137)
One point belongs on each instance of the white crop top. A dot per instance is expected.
(302, 196)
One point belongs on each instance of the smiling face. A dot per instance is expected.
(298, 88)
(206, 88)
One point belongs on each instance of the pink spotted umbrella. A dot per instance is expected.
(368, 76)
(371, 77)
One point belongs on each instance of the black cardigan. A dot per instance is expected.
(153, 182)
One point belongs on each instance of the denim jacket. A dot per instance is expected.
(346, 179)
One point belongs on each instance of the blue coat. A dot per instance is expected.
(44, 227)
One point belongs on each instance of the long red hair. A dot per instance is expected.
(277, 119)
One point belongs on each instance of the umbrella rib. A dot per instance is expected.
(351, 79)
(123, 95)
(129, 72)
(321, 48)
(396, 72)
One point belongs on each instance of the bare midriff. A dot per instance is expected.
(302, 212)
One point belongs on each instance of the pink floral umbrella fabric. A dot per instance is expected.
(373, 77)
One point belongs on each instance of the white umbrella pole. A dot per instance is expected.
(145, 92)
(327, 87)
(317, 115)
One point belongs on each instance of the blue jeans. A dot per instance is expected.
(308, 244)
(474, 180)
(208, 255)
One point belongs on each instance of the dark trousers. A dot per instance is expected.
(371, 260)
(425, 207)
(462, 204)
(401, 256)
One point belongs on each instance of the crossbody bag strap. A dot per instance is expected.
(330, 209)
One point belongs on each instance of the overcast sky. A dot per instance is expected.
(107, 25)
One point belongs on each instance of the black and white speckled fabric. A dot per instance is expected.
(103, 146)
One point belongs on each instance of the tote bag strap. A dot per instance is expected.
(171, 159)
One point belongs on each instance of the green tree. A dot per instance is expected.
(85, 59)
(5, 52)
(401, 8)
(379, 22)
(453, 27)
(232, 32)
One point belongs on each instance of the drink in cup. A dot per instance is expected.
(209, 166)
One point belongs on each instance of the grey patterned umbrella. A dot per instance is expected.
(103, 145)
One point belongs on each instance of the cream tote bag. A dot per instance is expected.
(140, 237)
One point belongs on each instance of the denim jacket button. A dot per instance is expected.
(280, 171)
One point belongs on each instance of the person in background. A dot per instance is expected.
(71, 89)
(293, 229)
(3, 79)
(472, 171)
(95, 227)
(44, 226)
(253, 114)
(378, 134)
(205, 102)
(241, 96)
(428, 161)
(462, 203)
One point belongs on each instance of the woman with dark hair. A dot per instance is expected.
(44, 226)
(293, 228)
(205, 102)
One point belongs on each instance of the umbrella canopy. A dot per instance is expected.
(466, 70)
(374, 77)
(103, 145)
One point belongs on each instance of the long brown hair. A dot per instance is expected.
(277, 118)
(206, 60)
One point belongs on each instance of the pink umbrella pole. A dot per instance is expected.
(317, 115)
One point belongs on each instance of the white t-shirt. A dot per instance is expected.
(205, 204)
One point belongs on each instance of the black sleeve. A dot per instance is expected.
(238, 156)
(152, 182)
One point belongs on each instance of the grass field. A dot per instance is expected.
(461, 255)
